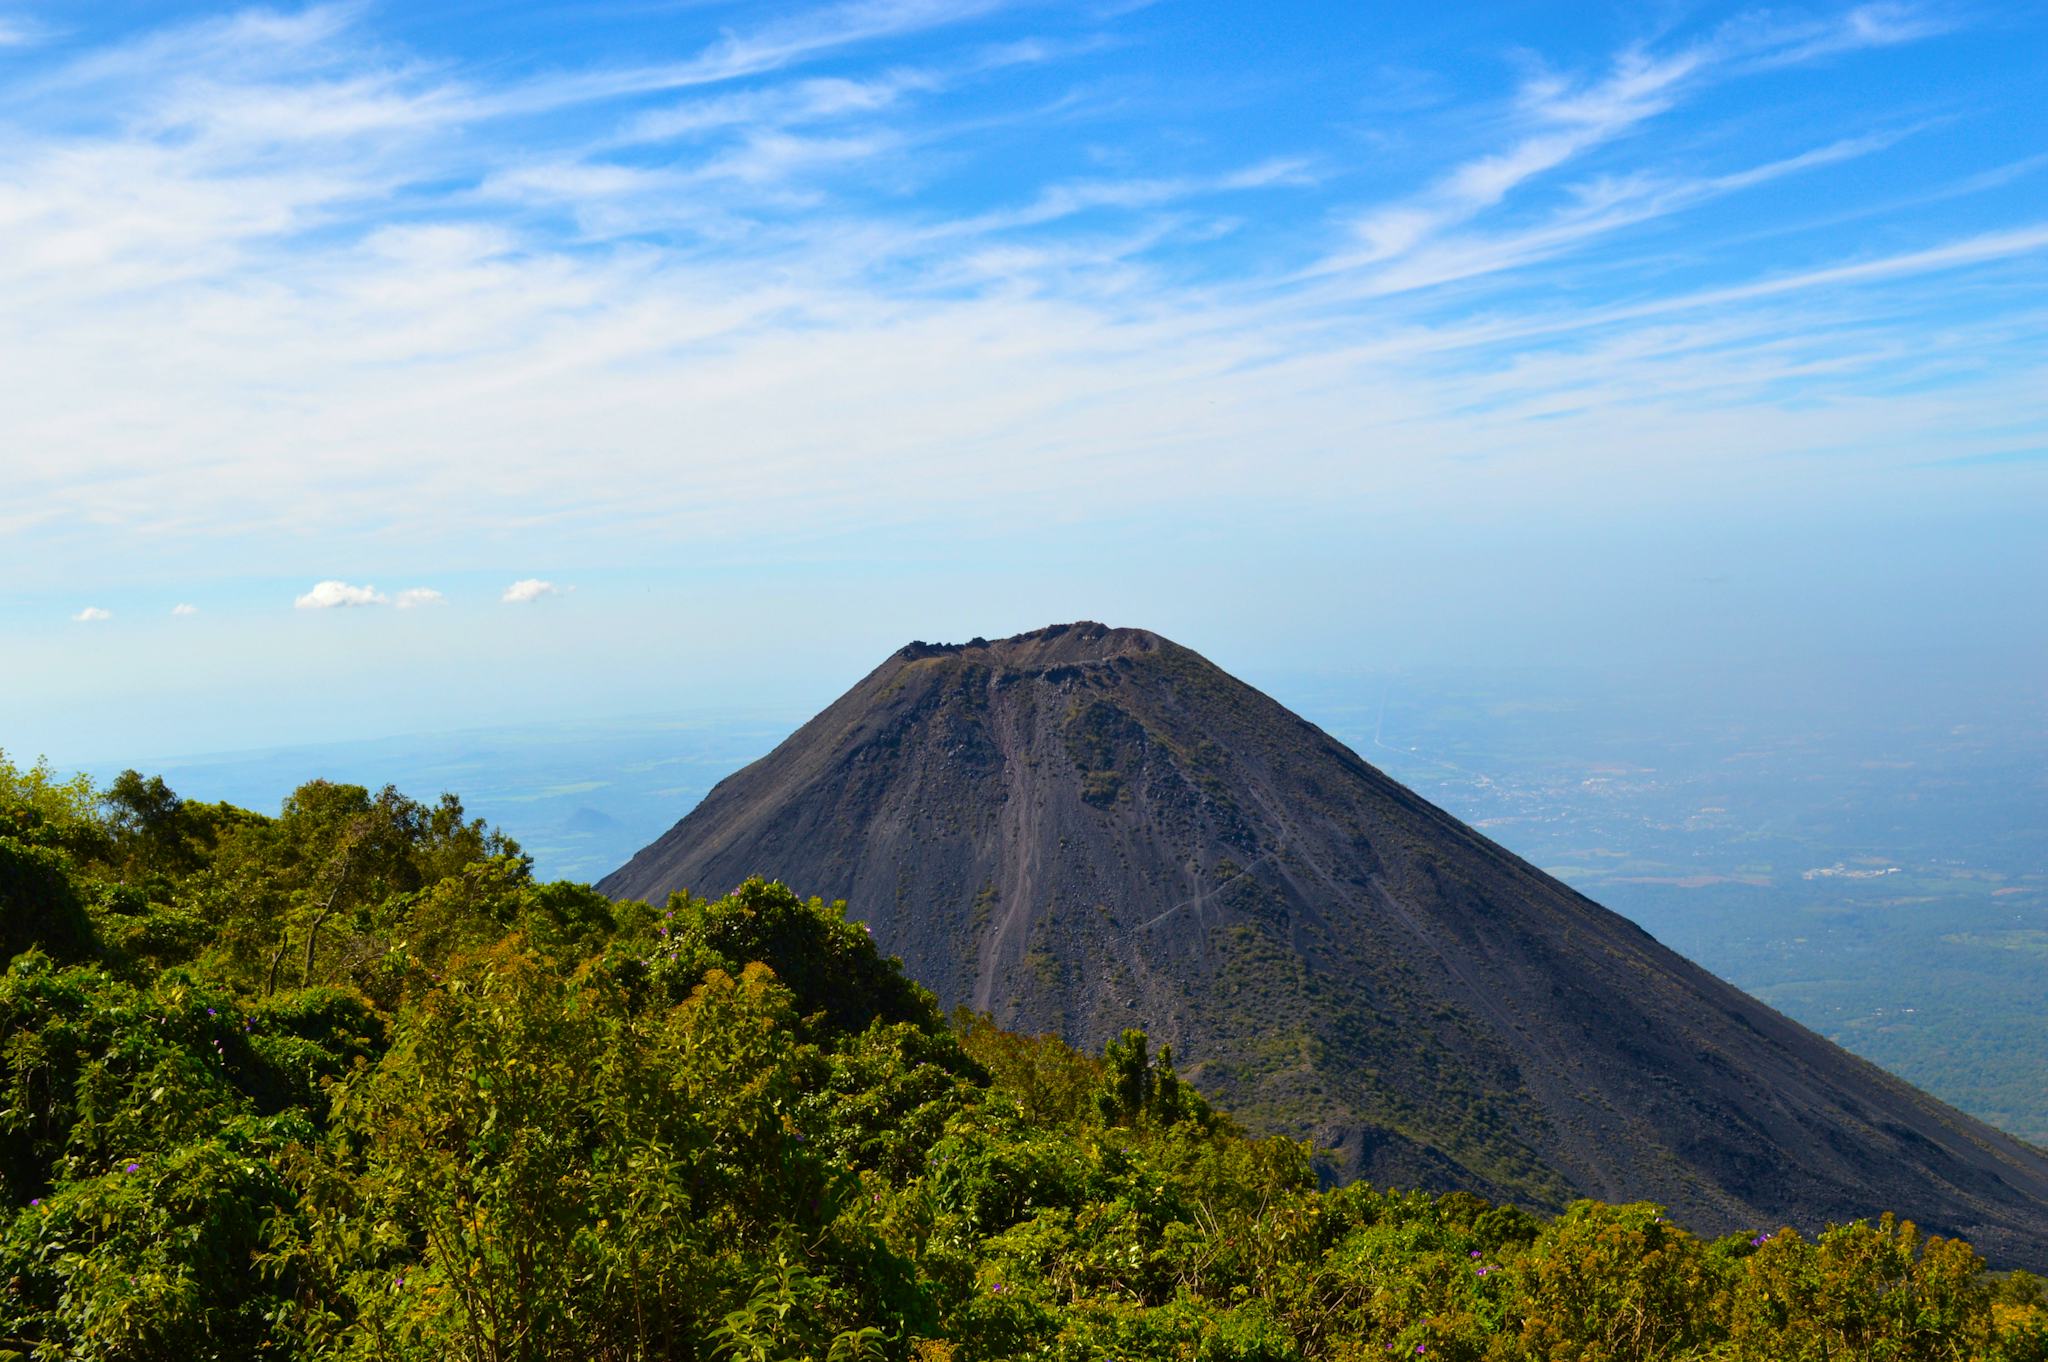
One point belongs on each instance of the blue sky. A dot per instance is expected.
(376, 367)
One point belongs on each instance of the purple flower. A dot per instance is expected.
(133, 1168)
(211, 1013)
(35, 1201)
(1473, 1254)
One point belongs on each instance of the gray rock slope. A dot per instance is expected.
(1082, 829)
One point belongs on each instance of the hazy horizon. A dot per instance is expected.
(379, 370)
(1878, 874)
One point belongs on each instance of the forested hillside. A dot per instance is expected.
(1078, 829)
(347, 1082)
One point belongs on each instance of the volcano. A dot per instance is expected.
(1083, 829)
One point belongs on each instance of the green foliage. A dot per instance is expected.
(149, 1256)
(37, 804)
(1140, 1089)
(1862, 1290)
(154, 832)
(39, 903)
(828, 964)
(347, 1084)
(1609, 1283)
(1051, 1082)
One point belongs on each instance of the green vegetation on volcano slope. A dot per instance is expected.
(349, 1083)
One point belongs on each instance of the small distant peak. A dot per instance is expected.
(1079, 643)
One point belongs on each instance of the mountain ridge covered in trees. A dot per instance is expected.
(347, 1082)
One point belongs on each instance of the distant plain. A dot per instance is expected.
(1879, 875)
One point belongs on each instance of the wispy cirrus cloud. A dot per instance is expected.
(797, 104)
(1557, 119)
(1769, 40)
(362, 297)
(1595, 209)
(778, 44)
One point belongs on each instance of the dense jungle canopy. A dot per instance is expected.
(348, 1082)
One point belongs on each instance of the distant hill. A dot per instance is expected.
(1082, 829)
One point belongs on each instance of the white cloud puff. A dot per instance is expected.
(528, 590)
(92, 614)
(413, 597)
(181, 608)
(327, 595)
